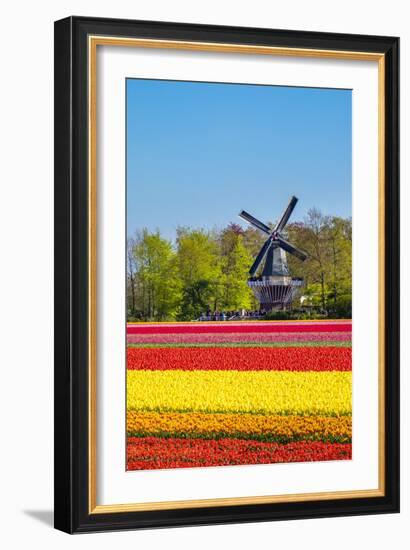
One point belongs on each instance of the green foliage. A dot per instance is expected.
(235, 260)
(328, 269)
(157, 285)
(199, 269)
(342, 309)
(295, 314)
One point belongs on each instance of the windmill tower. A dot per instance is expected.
(274, 288)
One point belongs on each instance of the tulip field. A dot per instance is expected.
(237, 393)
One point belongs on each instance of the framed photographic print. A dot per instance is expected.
(226, 274)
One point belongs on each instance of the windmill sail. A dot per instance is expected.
(291, 249)
(286, 215)
(256, 223)
(260, 257)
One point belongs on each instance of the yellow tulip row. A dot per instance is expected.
(257, 392)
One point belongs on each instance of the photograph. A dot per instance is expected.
(204, 275)
(226, 274)
(238, 274)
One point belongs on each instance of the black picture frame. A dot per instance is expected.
(71, 492)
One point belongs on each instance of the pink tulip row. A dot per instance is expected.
(262, 337)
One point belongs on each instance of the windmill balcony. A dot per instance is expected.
(275, 292)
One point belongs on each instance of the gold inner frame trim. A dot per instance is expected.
(93, 42)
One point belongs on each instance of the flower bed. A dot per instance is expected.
(158, 453)
(243, 327)
(236, 337)
(214, 394)
(241, 359)
(262, 427)
(258, 392)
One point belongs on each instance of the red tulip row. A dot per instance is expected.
(148, 453)
(243, 359)
(227, 327)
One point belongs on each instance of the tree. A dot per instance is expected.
(340, 251)
(158, 283)
(132, 275)
(253, 239)
(327, 271)
(235, 260)
(199, 269)
(316, 246)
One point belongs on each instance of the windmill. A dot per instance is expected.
(274, 288)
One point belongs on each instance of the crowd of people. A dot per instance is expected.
(232, 315)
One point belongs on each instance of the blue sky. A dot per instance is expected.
(198, 153)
